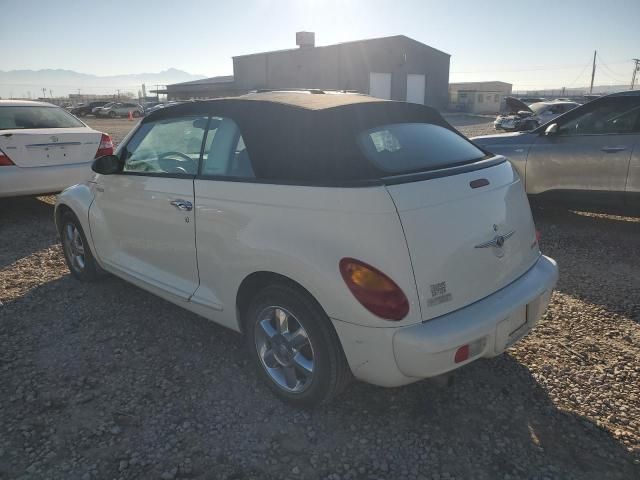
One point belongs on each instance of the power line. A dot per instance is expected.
(609, 71)
(538, 68)
(579, 75)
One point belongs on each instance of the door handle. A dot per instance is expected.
(183, 205)
(613, 149)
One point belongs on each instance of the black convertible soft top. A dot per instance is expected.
(301, 137)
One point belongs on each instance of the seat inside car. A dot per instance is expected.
(241, 166)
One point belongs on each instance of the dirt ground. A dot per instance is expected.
(106, 381)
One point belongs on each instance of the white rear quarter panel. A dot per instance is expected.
(302, 233)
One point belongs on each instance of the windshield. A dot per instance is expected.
(36, 117)
(538, 107)
(411, 147)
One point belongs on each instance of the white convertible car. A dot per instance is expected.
(44, 149)
(341, 234)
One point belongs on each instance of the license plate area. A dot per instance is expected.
(512, 329)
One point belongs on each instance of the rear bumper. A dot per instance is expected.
(397, 356)
(16, 181)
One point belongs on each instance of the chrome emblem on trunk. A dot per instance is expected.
(497, 241)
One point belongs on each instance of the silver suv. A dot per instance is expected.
(120, 109)
(590, 154)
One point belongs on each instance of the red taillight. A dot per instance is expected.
(462, 354)
(5, 160)
(105, 147)
(374, 290)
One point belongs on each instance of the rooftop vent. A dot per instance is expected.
(306, 39)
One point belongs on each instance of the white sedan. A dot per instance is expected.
(341, 234)
(44, 149)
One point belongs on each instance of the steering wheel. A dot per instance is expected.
(184, 156)
(172, 164)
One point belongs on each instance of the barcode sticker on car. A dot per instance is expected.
(438, 294)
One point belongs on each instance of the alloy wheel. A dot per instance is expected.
(74, 247)
(284, 349)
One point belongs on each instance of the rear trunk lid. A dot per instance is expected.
(49, 147)
(469, 235)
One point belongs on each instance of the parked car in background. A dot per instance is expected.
(86, 108)
(591, 154)
(94, 110)
(530, 100)
(44, 149)
(324, 235)
(120, 109)
(522, 117)
(160, 106)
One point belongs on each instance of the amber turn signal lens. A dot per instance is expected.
(374, 290)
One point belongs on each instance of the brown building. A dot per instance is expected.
(397, 68)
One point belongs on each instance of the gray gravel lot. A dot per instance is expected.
(106, 381)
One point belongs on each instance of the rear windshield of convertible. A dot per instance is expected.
(412, 147)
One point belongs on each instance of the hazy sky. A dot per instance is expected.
(532, 44)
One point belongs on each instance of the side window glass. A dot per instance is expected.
(170, 146)
(225, 153)
(616, 116)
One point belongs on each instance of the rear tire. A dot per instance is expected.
(77, 252)
(112, 114)
(294, 347)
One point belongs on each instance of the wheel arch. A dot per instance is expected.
(256, 281)
(59, 211)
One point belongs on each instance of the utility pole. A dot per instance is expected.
(636, 69)
(593, 71)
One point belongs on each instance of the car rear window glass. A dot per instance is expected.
(412, 147)
(36, 117)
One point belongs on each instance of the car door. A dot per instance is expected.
(142, 219)
(588, 156)
(225, 191)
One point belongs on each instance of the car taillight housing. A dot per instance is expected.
(105, 147)
(374, 290)
(5, 161)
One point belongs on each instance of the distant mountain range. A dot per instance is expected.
(18, 83)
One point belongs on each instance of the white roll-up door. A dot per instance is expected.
(380, 85)
(415, 88)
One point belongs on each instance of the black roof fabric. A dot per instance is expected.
(299, 137)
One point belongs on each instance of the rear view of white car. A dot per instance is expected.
(341, 234)
(44, 149)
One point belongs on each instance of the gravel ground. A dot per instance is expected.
(105, 381)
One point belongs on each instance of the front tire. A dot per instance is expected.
(77, 252)
(294, 346)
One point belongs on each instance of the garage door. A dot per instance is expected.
(415, 88)
(380, 85)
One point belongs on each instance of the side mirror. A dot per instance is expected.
(551, 129)
(106, 165)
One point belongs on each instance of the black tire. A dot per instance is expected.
(88, 271)
(331, 373)
(113, 114)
